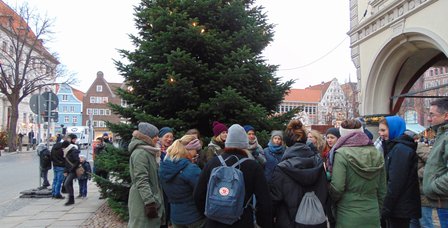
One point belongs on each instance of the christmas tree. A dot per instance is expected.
(196, 62)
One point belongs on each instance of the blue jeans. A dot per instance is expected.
(58, 177)
(443, 217)
(82, 187)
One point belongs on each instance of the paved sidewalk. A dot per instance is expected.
(47, 212)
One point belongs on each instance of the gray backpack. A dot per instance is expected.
(311, 211)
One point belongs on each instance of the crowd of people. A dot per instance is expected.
(301, 179)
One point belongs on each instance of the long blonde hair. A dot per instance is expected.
(320, 142)
(177, 150)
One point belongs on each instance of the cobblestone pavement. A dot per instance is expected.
(47, 212)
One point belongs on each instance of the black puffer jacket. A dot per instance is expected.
(57, 155)
(403, 193)
(301, 170)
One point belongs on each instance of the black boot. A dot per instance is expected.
(71, 200)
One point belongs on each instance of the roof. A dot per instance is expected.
(415, 127)
(349, 87)
(303, 95)
(321, 87)
(114, 86)
(77, 93)
(21, 27)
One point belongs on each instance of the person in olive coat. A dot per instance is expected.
(358, 182)
(145, 202)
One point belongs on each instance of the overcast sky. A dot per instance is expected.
(309, 35)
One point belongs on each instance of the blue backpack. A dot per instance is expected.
(225, 192)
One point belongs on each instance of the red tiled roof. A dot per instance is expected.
(78, 94)
(321, 87)
(303, 95)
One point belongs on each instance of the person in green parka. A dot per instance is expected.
(358, 182)
(145, 200)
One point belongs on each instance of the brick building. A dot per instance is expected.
(96, 100)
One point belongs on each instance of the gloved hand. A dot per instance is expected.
(151, 210)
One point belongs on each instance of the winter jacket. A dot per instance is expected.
(179, 179)
(71, 153)
(145, 188)
(403, 193)
(422, 154)
(300, 171)
(87, 171)
(44, 157)
(255, 184)
(57, 155)
(435, 177)
(358, 184)
(214, 148)
(272, 159)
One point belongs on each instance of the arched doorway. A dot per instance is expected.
(397, 66)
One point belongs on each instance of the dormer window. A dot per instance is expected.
(99, 88)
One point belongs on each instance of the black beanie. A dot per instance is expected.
(333, 131)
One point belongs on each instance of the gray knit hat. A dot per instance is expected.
(237, 137)
(277, 133)
(148, 129)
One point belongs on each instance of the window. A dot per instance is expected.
(72, 108)
(66, 119)
(101, 124)
(99, 100)
(64, 109)
(95, 123)
(124, 103)
(4, 45)
(24, 117)
(99, 88)
(107, 112)
(101, 112)
(105, 99)
(95, 111)
(64, 97)
(92, 100)
(75, 119)
(89, 111)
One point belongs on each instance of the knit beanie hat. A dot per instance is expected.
(164, 130)
(218, 128)
(148, 129)
(237, 137)
(334, 131)
(276, 133)
(248, 128)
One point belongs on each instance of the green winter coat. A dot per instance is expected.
(435, 176)
(145, 188)
(358, 186)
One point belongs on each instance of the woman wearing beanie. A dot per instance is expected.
(216, 145)
(179, 176)
(166, 138)
(402, 200)
(358, 184)
(146, 207)
(273, 153)
(254, 181)
(300, 171)
(255, 149)
(331, 137)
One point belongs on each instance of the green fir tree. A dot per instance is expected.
(196, 62)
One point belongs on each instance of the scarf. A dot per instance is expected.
(67, 149)
(152, 150)
(353, 139)
(276, 149)
(253, 144)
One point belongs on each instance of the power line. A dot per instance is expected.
(316, 60)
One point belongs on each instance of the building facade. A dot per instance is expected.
(393, 42)
(70, 106)
(332, 106)
(96, 108)
(306, 100)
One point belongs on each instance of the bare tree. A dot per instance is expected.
(26, 65)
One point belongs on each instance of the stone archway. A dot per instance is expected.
(396, 67)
